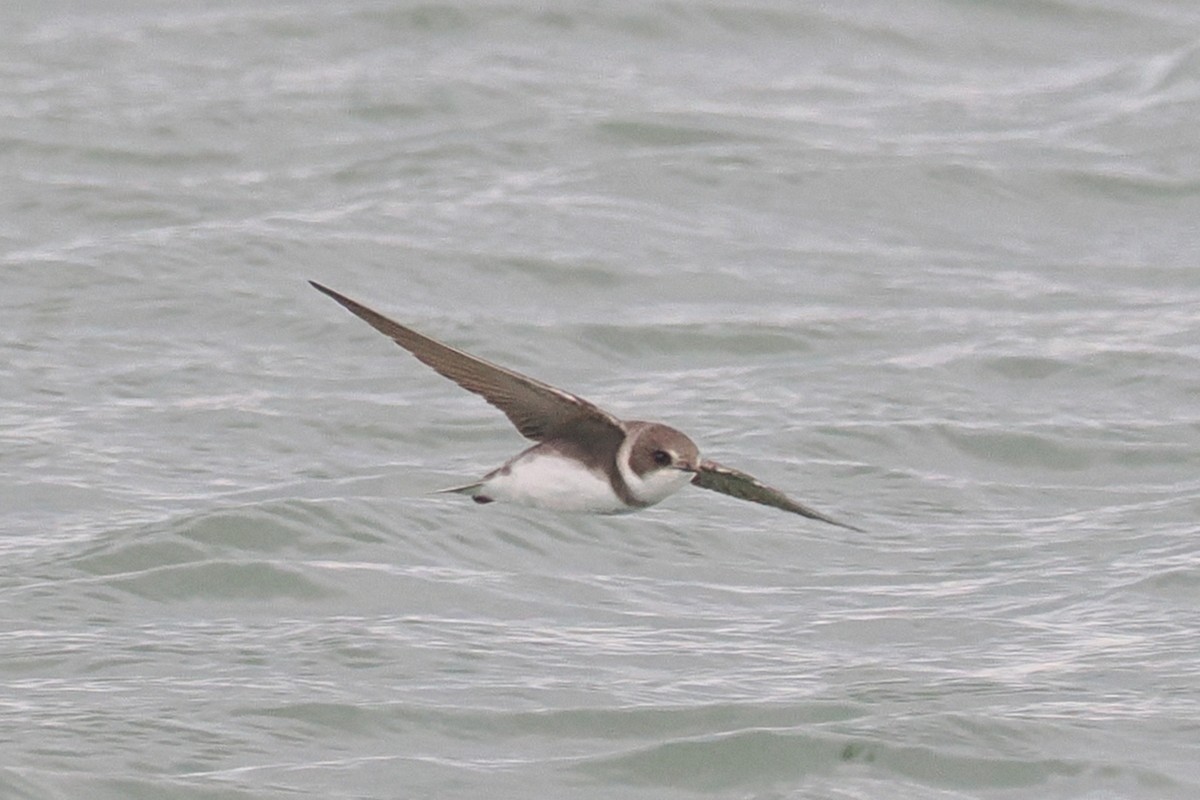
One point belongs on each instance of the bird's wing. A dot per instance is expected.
(538, 410)
(735, 483)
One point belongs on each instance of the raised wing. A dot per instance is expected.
(735, 483)
(538, 410)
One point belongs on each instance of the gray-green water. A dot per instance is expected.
(932, 267)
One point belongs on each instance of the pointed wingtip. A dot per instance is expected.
(353, 306)
(817, 515)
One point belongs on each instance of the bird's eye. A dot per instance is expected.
(661, 457)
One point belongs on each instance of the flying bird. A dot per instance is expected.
(585, 459)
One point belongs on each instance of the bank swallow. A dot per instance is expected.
(585, 459)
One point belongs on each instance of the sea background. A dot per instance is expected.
(931, 267)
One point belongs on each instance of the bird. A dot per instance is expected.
(585, 459)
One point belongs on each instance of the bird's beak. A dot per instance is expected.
(686, 468)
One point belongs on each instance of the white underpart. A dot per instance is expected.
(656, 486)
(559, 484)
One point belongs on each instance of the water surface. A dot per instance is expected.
(932, 269)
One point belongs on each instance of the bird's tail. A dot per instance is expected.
(469, 488)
